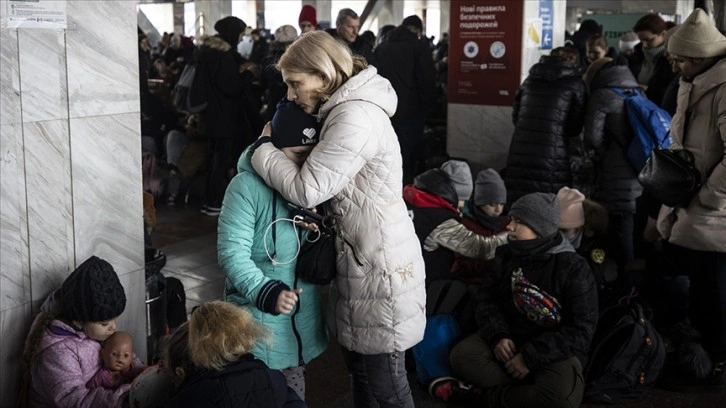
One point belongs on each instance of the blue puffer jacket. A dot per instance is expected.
(253, 282)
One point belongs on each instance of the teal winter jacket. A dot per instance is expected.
(254, 282)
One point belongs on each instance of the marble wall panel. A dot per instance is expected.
(50, 216)
(9, 75)
(103, 68)
(133, 319)
(14, 326)
(14, 274)
(107, 200)
(43, 81)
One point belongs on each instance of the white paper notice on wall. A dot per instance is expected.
(36, 14)
(533, 33)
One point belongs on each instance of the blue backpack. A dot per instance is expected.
(651, 126)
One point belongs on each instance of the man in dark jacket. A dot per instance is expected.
(406, 60)
(228, 86)
(347, 25)
(548, 115)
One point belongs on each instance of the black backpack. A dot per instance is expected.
(626, 357)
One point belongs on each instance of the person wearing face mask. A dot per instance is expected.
(696, 230)
(257, 247)
(649, 65)
(378, 298)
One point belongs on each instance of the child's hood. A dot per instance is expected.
(57, 332)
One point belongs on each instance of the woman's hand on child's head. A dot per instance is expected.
(286, 301)
(505, 350)
(516, 367)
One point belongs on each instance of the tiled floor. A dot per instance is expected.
(189, 240)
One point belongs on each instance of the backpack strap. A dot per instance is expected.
(274, 224)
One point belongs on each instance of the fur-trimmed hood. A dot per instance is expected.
(215, 43)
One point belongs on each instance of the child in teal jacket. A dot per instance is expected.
(259, 258)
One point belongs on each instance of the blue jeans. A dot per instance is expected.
(379, 380)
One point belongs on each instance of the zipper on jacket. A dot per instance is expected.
(300, 359)
(352, 250)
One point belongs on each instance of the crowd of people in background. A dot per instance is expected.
(334, 122)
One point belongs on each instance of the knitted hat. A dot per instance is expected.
(572, 215)
(697, 37)
(437, 182)
(308, 13)
(460, 175)
(286, 33)
(92, 292)
(414, 21)
(539, 211)
(628, 41)
(489, 188)
(291, 126)
(229, 29)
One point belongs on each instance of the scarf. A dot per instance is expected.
(647, 69)
(535, 246)
(492, 223)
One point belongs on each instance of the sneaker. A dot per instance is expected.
(211, 211)
(171, 201)
(449, 389)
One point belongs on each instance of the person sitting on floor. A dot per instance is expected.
(537, 312)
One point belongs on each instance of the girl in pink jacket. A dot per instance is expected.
(63, 349)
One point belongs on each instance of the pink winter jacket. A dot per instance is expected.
(66, 361)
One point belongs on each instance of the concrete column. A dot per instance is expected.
(179, 18)
(390, 13)
(208, 12)
(445, 19)
(326, 16)
(70, 166)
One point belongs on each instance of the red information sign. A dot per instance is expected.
(485, 51)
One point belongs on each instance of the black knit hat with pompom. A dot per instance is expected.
(92, 293)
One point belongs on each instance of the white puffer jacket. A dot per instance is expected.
(378, 298)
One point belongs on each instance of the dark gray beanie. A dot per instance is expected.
(92, 292)
(489, 188)
(460, 175)
(539, 211)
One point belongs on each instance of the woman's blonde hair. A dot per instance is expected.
(220, 333)
(318, 53)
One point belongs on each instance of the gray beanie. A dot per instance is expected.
(539, 211)
(460, 175)
(489, 188)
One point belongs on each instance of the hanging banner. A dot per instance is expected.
(485, 51)
(545, 13)
(36, 14)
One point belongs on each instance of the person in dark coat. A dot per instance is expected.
(347, 25)
(228, 85)
(271, 77)
(608, 133)
(222, 373)
(587, 29)
(536, 311)
(406, 60)
(649, 65)
(548, 116)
